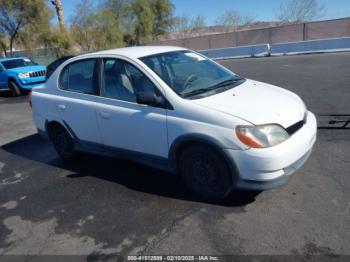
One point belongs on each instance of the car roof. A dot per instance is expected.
(138, 51)
(11, 58)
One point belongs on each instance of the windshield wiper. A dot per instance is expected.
(195, 92)
(224, 83)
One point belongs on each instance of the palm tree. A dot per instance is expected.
(59, 11)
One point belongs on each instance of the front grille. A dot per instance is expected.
(34, 83)
(294, 128)
(37, 73)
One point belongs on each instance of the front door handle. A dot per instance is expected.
(62, 107)
(104, 115)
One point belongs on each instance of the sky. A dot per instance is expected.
(261, 10)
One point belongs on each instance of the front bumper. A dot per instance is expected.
(31, 83)
(273, 183)
(261, 169)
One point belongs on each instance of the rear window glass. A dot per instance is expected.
(79, 76)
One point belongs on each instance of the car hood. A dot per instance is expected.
(27, 69)
(258, 103)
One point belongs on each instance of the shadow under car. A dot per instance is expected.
(130, 174)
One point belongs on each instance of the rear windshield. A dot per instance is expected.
(17, 63)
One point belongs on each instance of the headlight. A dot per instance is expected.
(261, 136)
(23, 75)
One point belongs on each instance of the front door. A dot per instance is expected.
(125, 124)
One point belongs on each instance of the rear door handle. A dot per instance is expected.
(62, 107)
(104, 115)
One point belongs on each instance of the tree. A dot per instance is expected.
(299, 11)
(60, 40)
(181, 24)
(186, 26)
(118, 6)
(82, 25)
(108, 31)
(122, 10)
(59, 11)
(3, 44)
(144, 21)
(197, 22)
(19, 16)
(163, 17)
(96, 29)
(233, 20)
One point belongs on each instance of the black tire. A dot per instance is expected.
(15, 89)
(62, 142)
(205, 172)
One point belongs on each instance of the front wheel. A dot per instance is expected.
(15, 89)
(205, 172)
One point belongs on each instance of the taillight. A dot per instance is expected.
(30, 99)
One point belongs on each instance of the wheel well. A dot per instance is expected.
(51, 125)
(181, 147)
(11, 79)
(188, 144)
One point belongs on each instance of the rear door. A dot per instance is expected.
(76, 100)
(124, 123)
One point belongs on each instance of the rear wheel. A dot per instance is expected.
(62, 142)
(15, 89)
(205, 172)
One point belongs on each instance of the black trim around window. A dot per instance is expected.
(95, 78)
(101, 81)
(98, 80)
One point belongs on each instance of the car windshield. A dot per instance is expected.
(190, 74)
(21, 62)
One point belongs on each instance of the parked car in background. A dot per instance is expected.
(20, 74)
(52, 66)
(175, 109)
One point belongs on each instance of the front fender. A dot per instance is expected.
(202, 139)
(13, 76)
(4, 79)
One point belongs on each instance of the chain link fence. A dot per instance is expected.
(42, 56)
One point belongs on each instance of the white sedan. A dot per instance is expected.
(177, 110)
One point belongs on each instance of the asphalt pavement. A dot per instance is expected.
(103, 206)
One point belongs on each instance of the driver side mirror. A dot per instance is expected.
(150, 98)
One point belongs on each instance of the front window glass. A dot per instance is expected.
(14, 63)
(190, 74)
(123, 81)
